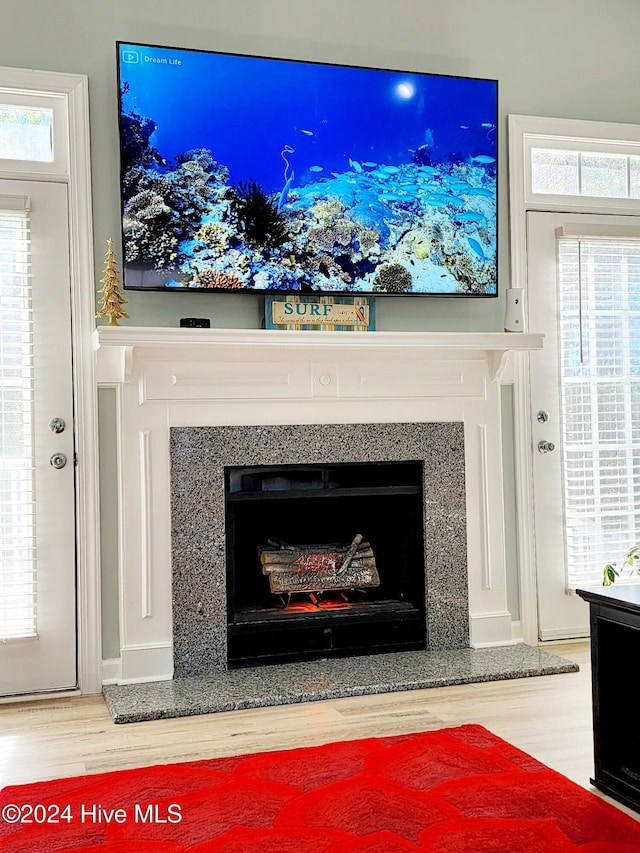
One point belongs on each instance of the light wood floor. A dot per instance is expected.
(549, 717)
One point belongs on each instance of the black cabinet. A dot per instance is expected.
(615, 654)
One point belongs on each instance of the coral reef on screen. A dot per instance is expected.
(414, 224)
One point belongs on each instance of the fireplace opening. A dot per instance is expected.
(347, 543)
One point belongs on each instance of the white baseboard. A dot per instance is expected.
(111, 671)
(517, 633)
(490, 629)
(153, 662)
(548, 636)
(494, 645)
(138, 664)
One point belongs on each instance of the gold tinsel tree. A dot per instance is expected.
(112, 298)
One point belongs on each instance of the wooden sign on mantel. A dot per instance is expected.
(327, 313)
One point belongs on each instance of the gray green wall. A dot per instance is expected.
(565, 58)
(560, 58)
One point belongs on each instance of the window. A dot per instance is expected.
(17, 505)
(599, 337)
(560, 172)
(34, 134)
(26, 134)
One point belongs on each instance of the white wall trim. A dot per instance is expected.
(525, 530)
(491, 629)
(83, 307)
(73, 89)
(142, 662)
(484, 504)
(111, 670)
(570, 633)
(516, 632)
(146, 493)
(518, 127)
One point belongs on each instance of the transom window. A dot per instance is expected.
(586, 173)
(26, 134)
(34, 135)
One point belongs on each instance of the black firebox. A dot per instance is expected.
(304, 508)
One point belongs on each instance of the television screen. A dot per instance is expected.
(259, 175)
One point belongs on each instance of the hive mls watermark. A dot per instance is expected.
(91, 813)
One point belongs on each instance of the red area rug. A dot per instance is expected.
(458, 790)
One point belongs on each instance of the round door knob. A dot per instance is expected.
(546, 446)
(58, 460)
(57, 425)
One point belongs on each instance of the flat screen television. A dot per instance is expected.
(260, 175)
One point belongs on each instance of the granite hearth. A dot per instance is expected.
(259, 687)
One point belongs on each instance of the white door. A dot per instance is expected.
(37, 509)
(584, 295)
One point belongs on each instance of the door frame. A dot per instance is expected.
(74, 169)
(522, 134)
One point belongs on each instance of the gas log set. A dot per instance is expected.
(313, 570)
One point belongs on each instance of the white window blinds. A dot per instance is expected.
(17, 510)
(599, 336)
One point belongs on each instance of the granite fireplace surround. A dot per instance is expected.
(198, 459)
(191, 404)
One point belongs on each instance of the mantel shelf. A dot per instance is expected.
(493, 345)
(152, 336)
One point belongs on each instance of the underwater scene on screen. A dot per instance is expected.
(262, 175)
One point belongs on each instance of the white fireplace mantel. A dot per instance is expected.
(174, 377)
(120, 343)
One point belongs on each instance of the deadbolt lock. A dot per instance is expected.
(546, 446)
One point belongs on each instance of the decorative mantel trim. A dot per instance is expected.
(173, 377)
